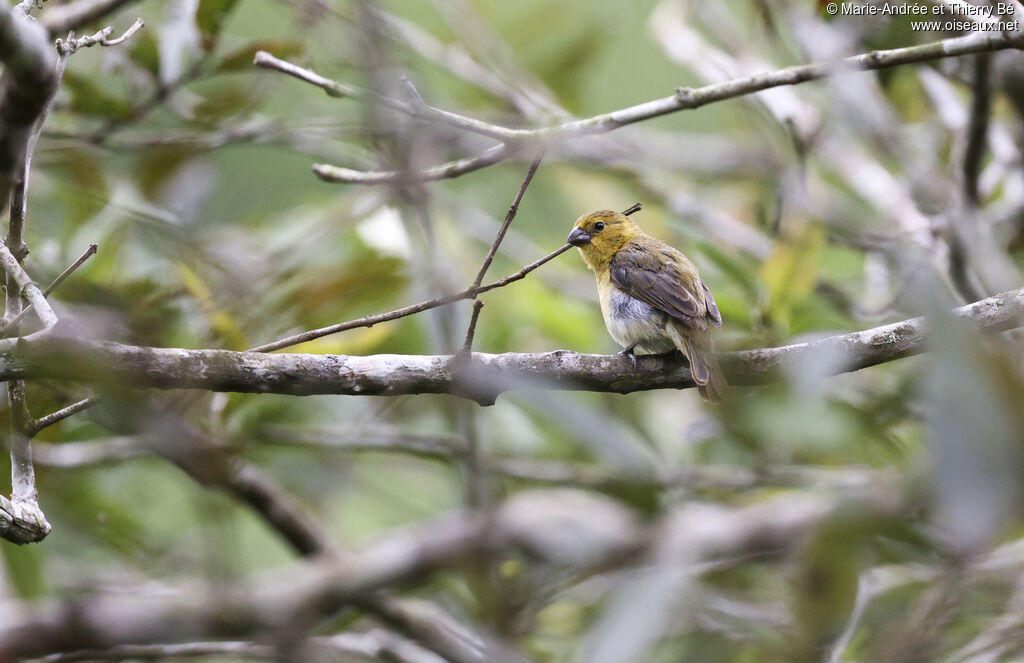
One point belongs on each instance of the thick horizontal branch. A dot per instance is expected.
(685, 98)
(482, 379)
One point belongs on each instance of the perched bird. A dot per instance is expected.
(652, 298)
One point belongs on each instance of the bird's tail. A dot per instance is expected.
(695, 344)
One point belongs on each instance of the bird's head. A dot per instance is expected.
(599, 235)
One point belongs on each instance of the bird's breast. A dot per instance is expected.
(630, 321)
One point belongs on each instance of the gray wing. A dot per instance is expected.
(709, 302)
(642, 274)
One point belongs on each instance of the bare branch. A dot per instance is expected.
(27, 85)
(265, 60)
(509, 217)
(392, 375)
(282, 511)
(25, 283)
(448, 170)
(977, 130)
(135, 27)
(36, 425)
(688, 99)
(53, 286)
(101, 38)
(21, 519)
(208, 464)
(371, 320)
(467, 345)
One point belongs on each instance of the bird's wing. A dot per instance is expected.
(709, 301)
(656, 277)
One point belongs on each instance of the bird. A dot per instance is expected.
(652, 297)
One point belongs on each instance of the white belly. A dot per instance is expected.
(632, 321)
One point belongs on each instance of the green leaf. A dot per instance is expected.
(792, 271)
(25, 569)
(145, 53)
(88, 98)
(210, 18)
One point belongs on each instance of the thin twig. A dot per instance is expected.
(53, 286)
(101, 38)
(418, 109)
(467, 345)
(684, 99)
(509, 217)
(37, 425)
(89, 252)
(135, 27)
(26, 285)
(371, 320)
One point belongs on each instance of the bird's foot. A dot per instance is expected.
(628, 352)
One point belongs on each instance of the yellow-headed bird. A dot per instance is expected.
(652, 296)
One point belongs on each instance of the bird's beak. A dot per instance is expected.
(578, 237)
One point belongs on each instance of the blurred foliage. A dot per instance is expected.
(810, 211)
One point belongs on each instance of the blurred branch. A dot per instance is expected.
(317, 589)
(26, 87)
(21, 519)
(977, 130)
(561, 527)
(393, 375)
(77, 455)
(73, 15)
(74, 455)
(685, 98)
(208, 463)
(373, 644)
(30, 77)
(419, 109)
(560, 473)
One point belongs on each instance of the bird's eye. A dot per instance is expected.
(599, 225)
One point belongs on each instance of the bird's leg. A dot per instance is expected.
(628, 352)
